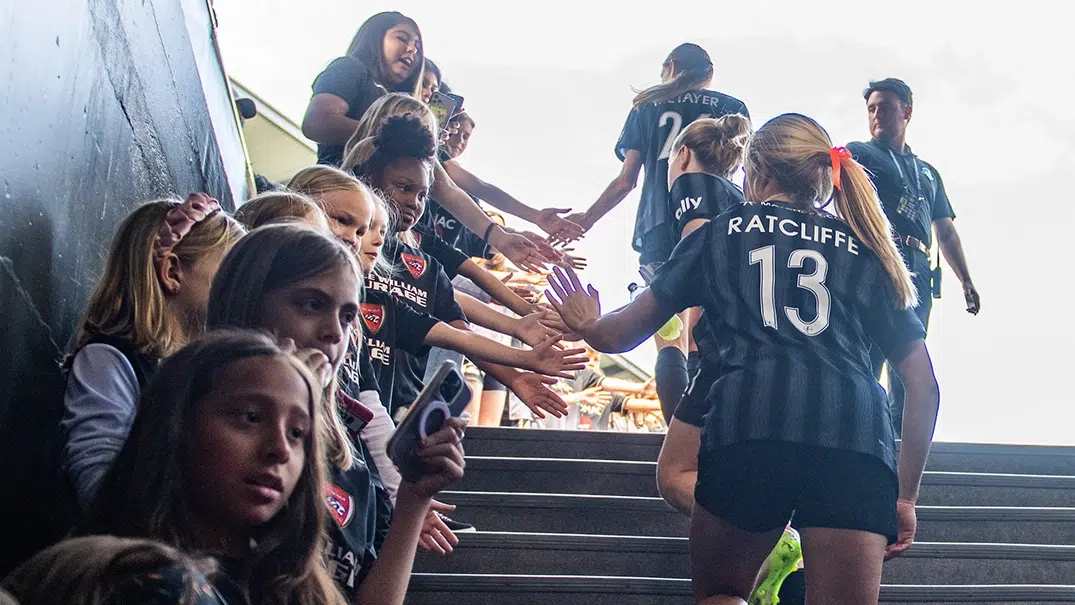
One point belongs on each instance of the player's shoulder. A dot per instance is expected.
(734, 104)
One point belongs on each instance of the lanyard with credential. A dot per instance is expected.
(904, 180)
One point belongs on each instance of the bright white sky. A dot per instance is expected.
(550, 85)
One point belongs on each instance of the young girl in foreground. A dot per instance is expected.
(149, 302)
(227, 459)
(797, 423)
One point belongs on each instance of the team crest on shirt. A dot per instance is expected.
(340, 504)
(372, 316)
(415, 264)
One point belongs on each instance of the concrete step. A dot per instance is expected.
(637, 478)
(593, 555)
(958, 457)
(490, 589)
(632, 515)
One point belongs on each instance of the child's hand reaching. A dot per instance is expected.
(576, 306)
(551, 360)
(531, 330)
(532, 389)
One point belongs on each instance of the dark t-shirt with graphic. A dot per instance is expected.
(390, 327)
(651, 129)
(701, 195)
(419, 281)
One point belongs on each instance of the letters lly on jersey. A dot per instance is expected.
(372, 316)
(415, 264)
(340, 504)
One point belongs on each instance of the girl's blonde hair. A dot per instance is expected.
(792, 155)
(359, 147)
(717, 143)
(129, 301)
(276, 206)
(316, 181)
(270, 258)
(694, 70)
(94, 570)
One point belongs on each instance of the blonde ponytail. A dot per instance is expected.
(717, 143)
(857, 204)
(791, 156)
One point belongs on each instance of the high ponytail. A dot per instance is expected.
(694, 70)
(857, 204)
(791, 156)
(717, 143)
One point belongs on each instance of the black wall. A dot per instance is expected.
(101, 107)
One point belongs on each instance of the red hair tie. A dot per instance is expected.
(838, 155)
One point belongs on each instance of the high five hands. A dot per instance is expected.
(576, 305)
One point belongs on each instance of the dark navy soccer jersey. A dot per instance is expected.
(701, 195)
(651, 129)
(420, 281)
(899, 179)
(389, 327)
(449, 257)
(796, 300)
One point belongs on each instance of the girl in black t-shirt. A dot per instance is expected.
(797, 424)
(398, 160)
(303, 285)
(386, 55)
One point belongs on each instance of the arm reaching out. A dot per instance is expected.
(615, 332)
(617, 190)
(544, 358)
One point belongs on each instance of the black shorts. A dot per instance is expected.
(695, 403)
(657, 245)
(759, 485)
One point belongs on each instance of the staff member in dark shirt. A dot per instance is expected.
(914, 199)
(386, 54)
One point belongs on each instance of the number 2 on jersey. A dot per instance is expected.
(814, 282)
(677, 124)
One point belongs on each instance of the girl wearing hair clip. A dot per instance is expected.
(150, 301)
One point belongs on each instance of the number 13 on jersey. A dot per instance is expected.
(813, 282)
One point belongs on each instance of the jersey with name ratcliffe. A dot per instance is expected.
(797, 300)
(420, 281)
(651, 129)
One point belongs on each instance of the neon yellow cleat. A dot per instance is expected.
(782, 562)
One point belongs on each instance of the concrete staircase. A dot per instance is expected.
(573, 517)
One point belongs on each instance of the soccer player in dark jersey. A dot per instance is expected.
(659, 113)
(913, 196)
(797, 422)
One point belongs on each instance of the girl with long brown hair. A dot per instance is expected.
(797, 423)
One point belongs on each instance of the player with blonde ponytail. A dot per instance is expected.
(797, 423)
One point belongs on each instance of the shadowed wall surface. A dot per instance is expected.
(105, 104)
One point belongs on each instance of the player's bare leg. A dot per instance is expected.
(845, 566)
(725, 559)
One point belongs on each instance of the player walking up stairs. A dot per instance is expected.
(573, 517)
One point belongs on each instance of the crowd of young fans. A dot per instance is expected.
(236, 377)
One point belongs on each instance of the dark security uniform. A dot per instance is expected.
(797, 422)
(651, 129)
(700, 195)
(913, 197)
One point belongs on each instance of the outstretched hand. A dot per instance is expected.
(532, 389)
(552, 320)
(559, 228)
(531, 330)
(576, 306)
(436, 536)
(551, 360)
(521, 251)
